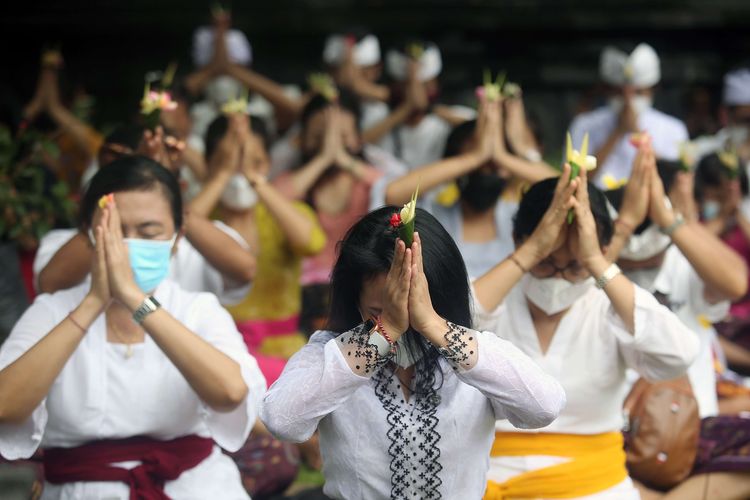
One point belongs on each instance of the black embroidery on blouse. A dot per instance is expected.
(415, 456)
(356, 342)
(458, 339)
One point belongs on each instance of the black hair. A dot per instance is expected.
(126, 134)
(218, 129)
(347, 101)
(457, 138)
(711, 172)
(367, 251)
(131, 173)
(537, 200)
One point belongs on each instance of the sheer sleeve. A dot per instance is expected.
(214, 324)
(21, 440)
(662, 347)
(518, 389)
(316, 381)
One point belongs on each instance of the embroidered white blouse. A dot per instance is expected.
(589, 354)
(102, 394)
(377, 443)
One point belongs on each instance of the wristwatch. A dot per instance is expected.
(149, 305)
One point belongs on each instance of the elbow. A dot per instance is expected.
(45, 282)
(10, 415)
(246, 273)
(231, 398)
(550, 405)
(281, 423)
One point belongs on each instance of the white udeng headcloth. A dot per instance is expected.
(640, 68)
(737, 87)
(239, 50)
(366, 52)
(430, 64)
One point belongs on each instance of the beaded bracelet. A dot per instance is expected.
(384, 333)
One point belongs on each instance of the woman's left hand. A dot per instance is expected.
(422, 316)
(119, 273)
(584, 239)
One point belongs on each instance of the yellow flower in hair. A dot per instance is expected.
(236, 106)
(323, 84)
(688, 155)
(579, 159)
(731, 161)
(611, 183)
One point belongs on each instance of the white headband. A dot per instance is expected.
(430, 64)
(737, 87)
(239, 50)
(640, 68)
(366, 52)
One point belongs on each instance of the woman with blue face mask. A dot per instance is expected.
(563, 304)
(129, 369)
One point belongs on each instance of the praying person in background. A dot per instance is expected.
(335, 180)
(735, 114)
(78, 141)
(353, 59)
(213, 257)
(563, 304)
(695, 275)
(418, 129)
(281, 232)
(403, 392)
(631, 79)
(137, 382)
(481, 220)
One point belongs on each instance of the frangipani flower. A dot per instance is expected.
(323, 84)
(404, 220)
(491, 91)
(106, 200)
(153, 103)
(511, 90)
(640, 140)
(611, 183)
(236, 106)
(415, 51)
(578, 160)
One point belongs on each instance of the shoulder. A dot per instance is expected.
(598, 115)
(665, 121)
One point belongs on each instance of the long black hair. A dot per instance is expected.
(712, 172)
(537, 200)
(367, 251)
(132, 173)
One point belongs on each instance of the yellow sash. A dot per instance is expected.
(598, 463)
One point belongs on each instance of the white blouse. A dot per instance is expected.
(589, 355)
(376, 443)
(102, 394)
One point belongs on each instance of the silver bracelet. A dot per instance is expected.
(609, 274)
(669, 230)
(149, 305)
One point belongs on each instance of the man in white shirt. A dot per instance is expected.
(632, 78)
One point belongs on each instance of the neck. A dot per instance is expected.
(470, 213)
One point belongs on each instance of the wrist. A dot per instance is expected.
(93, 303)
(596, 265)
(528, 255)
(435, 330)
(133, 299)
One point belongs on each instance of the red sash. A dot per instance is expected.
(161, 461)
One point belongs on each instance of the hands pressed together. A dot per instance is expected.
(406, 300)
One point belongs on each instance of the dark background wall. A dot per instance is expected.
(550, 47)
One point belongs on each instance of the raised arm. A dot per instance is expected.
(235, 262)
(68, 266)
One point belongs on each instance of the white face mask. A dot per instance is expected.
(222, 89)
(641, 103)
(615, 104)
(554, 295)
(644, 278)
(406, 357)
(738, 135)
(239, 194)
(710, 209)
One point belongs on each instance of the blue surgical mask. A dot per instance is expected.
(710, 210)
(149, 260)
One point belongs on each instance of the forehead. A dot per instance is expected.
(137, 207)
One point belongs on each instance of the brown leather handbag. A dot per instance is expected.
(661, 436)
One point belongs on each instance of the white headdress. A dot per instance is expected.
(238, 47)
(366, 52)
(430, 63)
(737, 87)
(640, 68)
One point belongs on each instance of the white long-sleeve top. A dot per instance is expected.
(589, 355)
(376, 443)
(102, 394)
(591, 350)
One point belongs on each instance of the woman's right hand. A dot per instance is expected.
(635, 201)
(552, 230)
(395, 315)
